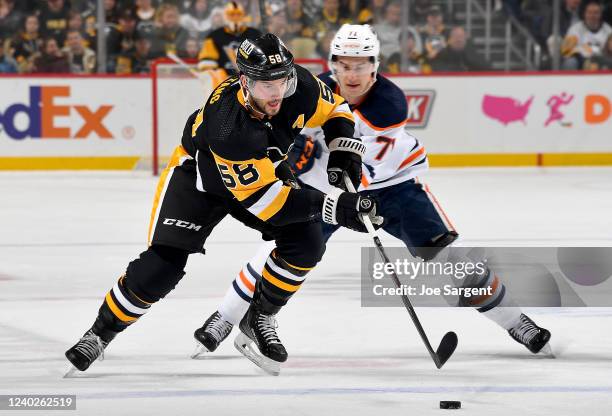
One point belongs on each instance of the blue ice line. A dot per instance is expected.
(347, 391)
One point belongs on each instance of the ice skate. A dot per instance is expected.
(259, 342)
(534, 338)
(89, 349)
(214, 331)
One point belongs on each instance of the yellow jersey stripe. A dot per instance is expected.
(113, 307)
(276, 204)
(276, 282)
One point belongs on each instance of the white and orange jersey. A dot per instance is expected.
(392, 154)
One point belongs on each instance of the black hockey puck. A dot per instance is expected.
(450, 404)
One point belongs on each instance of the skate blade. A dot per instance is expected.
(547, 351)
(199, 352)
(71, 373)
(245, 346)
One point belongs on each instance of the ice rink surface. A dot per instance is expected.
(65, 237)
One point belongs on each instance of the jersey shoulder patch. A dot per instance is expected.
(385, 106)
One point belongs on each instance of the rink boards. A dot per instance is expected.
(100, 122)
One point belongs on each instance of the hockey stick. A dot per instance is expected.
(449, 341)
(204, 80)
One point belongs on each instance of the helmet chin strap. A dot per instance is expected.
(251, 106)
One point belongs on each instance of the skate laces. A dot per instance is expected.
(267, 327)
(218, 327)
(525, 330)
(91, 346)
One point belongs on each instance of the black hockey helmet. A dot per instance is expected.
(265, 59)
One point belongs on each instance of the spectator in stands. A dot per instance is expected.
(585, 39)
(419, 10)
(111, 11)
(85, 6)
(145, 11)
(52, 60)
(457, 57)
(277, 24)
(138, 61)
(299, 24)
(604, 61)
(390, 29)
(568, 16)
(10, 18)
(7, 64)
(607, 13)
(415, 61)
(192, 48)
(82, 60)
(75, 22)
(168, 36)
(217, 19)
(434, 33)
(373, 13)
(197, 19)
(28, 6)
(349, 9)
(329, 19)
(54, 20)
(27, 44)
(219, 48)
(121, 38)
(89, 13)
(324, 45)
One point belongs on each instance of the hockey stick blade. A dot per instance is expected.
(446, 348)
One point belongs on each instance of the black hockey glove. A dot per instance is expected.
(284, 172)
(346, 208)
(345, 159)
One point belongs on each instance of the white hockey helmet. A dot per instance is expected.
(355, 40)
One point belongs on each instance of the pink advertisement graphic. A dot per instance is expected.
(555, 103)
(505, 110)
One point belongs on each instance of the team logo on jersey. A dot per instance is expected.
(420, 104)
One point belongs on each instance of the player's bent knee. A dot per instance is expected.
(151, 276)
(436, 245)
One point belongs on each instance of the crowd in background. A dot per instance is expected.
(60, 36)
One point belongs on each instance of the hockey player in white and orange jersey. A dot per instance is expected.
(391, 163)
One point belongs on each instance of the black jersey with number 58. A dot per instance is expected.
(237, 153)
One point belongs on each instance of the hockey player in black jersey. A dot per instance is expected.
(219, 49)
(232, 161)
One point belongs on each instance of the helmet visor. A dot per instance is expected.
(273, 89)
(361, 68)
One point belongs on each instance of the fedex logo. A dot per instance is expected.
(42, 113)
